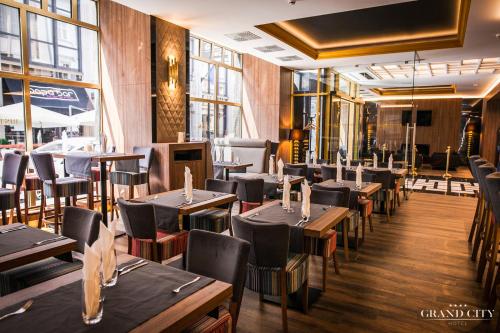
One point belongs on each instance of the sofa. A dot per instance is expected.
(255, 151)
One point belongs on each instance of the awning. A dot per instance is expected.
(52, 96)
(41, 118)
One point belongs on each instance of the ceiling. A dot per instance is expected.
(216, 19)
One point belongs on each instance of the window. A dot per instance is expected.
(65, 109)
(10, 39)
(215, 82)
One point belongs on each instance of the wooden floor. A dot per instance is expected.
(460, 172)
(420, 260)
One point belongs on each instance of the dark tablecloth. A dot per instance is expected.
(19, 240)
(271, 183)
(138, 296)
(276, 214)
(167, 207)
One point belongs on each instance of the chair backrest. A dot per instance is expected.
(223, 186)
(322, 161)
(385, 177)
(148, 153)
(342, 200)
(332, 198)
(493, 184)
(471, 165)
(138, 219)
(475, 164)
(14, 169)
(328, 172)
(366, 177)
(300, 166)
(78, 165)
(250, 190)
(81, 225)
(293, 171)
(255, 151)
(44, 166)
(482, 171)
(220, 257)
(268, 241)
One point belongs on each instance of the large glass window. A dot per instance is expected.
(62, 78)
(215, 82)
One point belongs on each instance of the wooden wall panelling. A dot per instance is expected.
(285, 118)
(261, 102)
(170, 104)
(489, 128)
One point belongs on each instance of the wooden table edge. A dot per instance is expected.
(107, 158)
(16, 259)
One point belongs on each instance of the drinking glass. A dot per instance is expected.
(91, 313)
(114, 277)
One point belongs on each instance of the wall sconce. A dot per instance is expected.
(172, 72)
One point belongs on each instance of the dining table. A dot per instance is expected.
(21, 245)
(367, 189)
(171, 207)
(102, 159)
(232, 166)
(143, 300)
(323, 218)
(271, 182)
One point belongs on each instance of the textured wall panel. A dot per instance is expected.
(170, 104)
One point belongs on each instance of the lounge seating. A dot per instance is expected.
(253, 151)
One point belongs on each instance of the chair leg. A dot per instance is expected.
(74, 201)
(131, 192)
(112, 202)
(370, 222)
(387, 207)
(26, 208)
(335, 262)
(90, 196)
(284, 298)
(129, 244)
(57, 211)
(42, 209)
(398, 199)
(363, 226)
(325, 268)
(149, 186)
(18, 208)
(479, 231)
(240, 206)
(4, 216)
(474, 223)
(485, 248)
(493, 260)
(305, 296)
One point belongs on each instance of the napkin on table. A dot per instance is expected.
(271, 165)
(359, 178)
(306, 200)
(188, 184)
(91, 279)
(107, 245)
(286, 192)
(314, 158)
(280, 169)
(390, 162)
(339, 168)
(375, 160)
(348, 161)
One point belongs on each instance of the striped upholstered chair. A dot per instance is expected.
(215, 219)
(222, 258)
(14, 169)
(365, 205)
(58, 188)
(144, 239)
(272, 269)
(79, 224)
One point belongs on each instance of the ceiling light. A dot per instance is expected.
(467, 72)
(388, 106)
(470, 62)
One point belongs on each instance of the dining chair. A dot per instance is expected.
(132, 173)
(272, 269)
(479, 234)
(223, 258)
(386, 194)
(476, 213)
(250, 193)
(58, 187)
(96, 171)
(79, 224)
(487, 225)
(326, 246)
(144, 239)
(217, 219)
(293, 171)
(13, 171)
(328, 172)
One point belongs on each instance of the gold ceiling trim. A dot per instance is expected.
(417, 44)
(421, 90)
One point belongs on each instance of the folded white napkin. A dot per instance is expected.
(188, 184)
(286, 192)
(281, 165)
(348, 161)
(375, 160)
(390, 162)
(107, 245)
(314, 158)
(359, 172)
(339, 168)
(271, 165)
(92, 279)
(306, 200)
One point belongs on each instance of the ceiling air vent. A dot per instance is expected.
(367, 76)
(289, 58)
(269, 48)
(243, 36)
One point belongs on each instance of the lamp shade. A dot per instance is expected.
(296, 134)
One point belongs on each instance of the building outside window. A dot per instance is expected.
(215, 82)
(57, 66)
